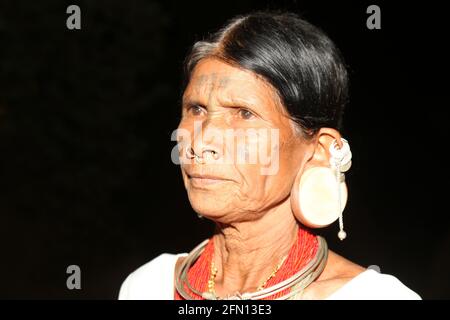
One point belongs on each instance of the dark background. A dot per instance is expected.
(86, 116)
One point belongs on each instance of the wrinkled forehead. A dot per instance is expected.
(215, 81)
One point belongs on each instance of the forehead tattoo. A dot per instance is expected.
(210, 83)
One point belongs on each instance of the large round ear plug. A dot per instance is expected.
(314, 197)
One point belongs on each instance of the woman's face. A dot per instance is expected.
(257, 153)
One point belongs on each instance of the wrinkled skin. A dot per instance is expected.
(255, 223)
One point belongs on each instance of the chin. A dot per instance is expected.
(208, 205)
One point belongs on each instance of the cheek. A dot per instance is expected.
(273, 175)
(257, 153)
(257, 147)
(255, 188)
(260, 191)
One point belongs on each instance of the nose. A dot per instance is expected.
(207, 142)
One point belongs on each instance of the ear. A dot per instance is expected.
(313, 201)
(320, 156)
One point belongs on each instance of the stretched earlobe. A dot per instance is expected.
(314, 197)
(319, 194)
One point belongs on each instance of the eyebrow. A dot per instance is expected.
(190, 102)
(229, 103)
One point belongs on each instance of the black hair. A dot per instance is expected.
(295, 57)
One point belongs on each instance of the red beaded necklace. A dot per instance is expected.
(302, 251)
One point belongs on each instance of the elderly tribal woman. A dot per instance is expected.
(262, 156)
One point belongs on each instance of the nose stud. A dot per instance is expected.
(192, 155)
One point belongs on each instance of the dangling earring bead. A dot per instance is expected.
(342, 234)
(341, 162)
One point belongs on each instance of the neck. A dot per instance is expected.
(246, 253)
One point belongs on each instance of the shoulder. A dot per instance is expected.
(151, 281)
(372, 285)
(344, 280)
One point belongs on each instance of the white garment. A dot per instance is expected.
(155, 281)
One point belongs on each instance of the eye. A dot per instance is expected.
(195, 110)
(246, 114)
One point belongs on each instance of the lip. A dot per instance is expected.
(204, 180)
